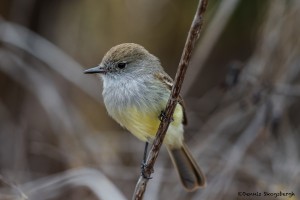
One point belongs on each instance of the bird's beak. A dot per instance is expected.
(99, 70)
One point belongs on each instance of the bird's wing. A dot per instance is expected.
(168, 82)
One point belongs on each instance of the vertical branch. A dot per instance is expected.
(193, 35)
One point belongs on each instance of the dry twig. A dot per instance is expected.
(172, 102)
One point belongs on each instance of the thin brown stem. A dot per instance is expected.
(193, 35)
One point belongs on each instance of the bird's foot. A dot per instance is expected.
(163, 116)
(143, 171)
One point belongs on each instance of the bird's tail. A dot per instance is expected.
(189, 172)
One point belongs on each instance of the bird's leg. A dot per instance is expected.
(145, 152)
(144, 165)
(163, 116)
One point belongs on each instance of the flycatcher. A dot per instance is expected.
(135, 91)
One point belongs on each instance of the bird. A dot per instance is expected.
(135, 92)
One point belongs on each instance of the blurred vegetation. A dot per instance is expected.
(242, 93)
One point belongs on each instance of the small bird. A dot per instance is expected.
(135, 91)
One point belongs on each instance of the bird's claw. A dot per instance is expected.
(163, 116)
(143, 172)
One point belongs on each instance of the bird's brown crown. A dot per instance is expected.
(126, 52)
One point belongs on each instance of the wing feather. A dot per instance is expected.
(168, 82)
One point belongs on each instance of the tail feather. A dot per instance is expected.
(189, 172)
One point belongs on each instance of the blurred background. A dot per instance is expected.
(241, 90)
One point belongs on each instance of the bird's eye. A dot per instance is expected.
(121, 65)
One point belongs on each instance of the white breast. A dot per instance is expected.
(128, 92)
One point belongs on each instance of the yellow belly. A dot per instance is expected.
(144, 124)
